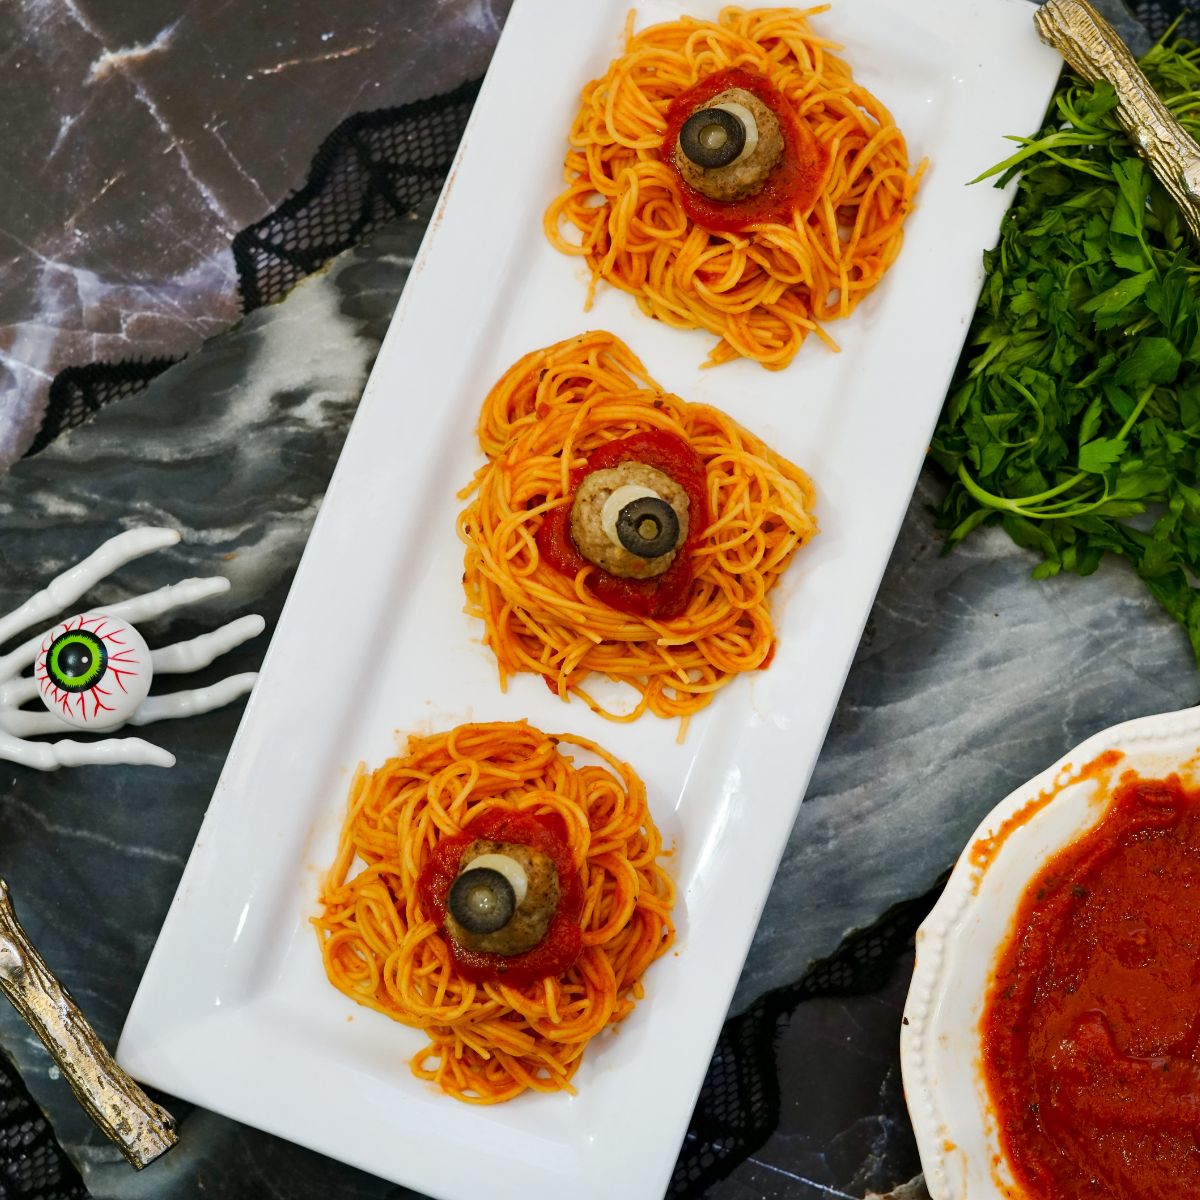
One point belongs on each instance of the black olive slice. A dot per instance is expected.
(482, 900)
(648, 527)
(712, 137)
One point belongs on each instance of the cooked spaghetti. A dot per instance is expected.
(548, 413)
(765, 290)
(489, 1042)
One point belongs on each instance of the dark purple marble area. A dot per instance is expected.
(138, 138)
(843, 1128)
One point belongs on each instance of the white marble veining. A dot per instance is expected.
(136, 147)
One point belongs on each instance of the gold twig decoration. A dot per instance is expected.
(135, 1123)
(1094, 50)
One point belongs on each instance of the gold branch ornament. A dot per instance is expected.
(1095, 51)
(140, 1128)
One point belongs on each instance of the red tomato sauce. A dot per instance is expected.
(564, 939)
(792, 185)
(666, 595)
(1091, 1031)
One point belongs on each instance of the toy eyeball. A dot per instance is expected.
(93, 671)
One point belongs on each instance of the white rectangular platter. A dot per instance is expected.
(234, 1012)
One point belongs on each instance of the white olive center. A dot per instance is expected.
(612, 507)
(508, 867)
(746, 117)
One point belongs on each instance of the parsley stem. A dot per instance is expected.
(1027, 506)
(1137, 412)
(993, 501)
(1032, 146)
(1022, 506)
(1079, 164)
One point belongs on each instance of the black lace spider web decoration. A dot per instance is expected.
(78, 392)
(738, 1108)
(373, 168)
(32, 1166)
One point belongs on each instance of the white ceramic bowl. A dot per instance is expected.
(956, 946)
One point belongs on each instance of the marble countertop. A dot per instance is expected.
(970, 677)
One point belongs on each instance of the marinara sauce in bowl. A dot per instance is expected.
(1051, 1045)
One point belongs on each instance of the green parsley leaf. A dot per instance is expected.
(1099, 455)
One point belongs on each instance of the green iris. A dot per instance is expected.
(76, 660)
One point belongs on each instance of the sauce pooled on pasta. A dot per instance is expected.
(666, 595)
(792, 185)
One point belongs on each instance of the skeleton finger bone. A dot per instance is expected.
(17, 692)
(14, 663)
(199, 700)
(32, 724)
(49, 756)
(62, 591)
(174, 595)
(200, 651)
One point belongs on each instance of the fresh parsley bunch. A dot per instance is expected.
(1074, 419)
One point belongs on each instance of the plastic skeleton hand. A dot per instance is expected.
(92, 671)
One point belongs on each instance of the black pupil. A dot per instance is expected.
(74, 660)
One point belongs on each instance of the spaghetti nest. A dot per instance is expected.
(762, 292)
(545, 416)
(489, 1042)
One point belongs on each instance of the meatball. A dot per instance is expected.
(745, 176)
(587, 519)
(529, 923)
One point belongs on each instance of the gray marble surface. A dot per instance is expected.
(139, 138)
(970, 678)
